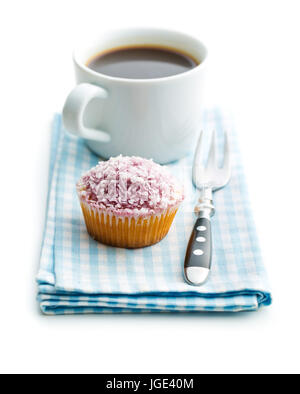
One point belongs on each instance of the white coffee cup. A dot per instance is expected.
(152, 118)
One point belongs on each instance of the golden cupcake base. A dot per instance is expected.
(127, 232)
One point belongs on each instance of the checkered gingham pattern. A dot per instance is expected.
(79, 275)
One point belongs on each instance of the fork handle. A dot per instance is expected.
(199, 252)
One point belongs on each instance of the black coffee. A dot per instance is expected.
(142, 62)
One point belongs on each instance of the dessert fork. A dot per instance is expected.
(207, 180)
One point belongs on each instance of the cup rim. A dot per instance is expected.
(199, 66)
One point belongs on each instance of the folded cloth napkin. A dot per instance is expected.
(79, 275)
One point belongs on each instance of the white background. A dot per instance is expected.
(254, 72)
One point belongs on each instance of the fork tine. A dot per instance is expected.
(226, 161)
(211, 161)
(198, 148)
(197, 161)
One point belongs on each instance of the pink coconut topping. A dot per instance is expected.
(128, 186)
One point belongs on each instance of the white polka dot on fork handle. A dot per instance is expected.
(201, 228)
(200, 239)
(198, 252)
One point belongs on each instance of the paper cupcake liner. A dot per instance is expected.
(127, 232)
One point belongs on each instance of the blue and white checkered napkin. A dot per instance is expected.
(79, 275)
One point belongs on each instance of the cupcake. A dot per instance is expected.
(128, 202)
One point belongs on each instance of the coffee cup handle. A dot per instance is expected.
(74, 108)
